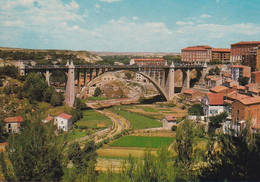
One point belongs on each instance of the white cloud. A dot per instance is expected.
(217, 1)
(85, 13)
(73, 5)
(205, 16)
(97, 6)
(135, 18)
(184, 23)
(109, 1)
(16, 23)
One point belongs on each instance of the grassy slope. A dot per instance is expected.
(142, 141)
(138, 121)
(148, 109)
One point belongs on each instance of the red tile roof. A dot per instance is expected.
(218, 89)
(239, 66)
(17, 119)
(250, 85)
(197, 48)
(256, 72)
(215, 99)
(250, 100)
(149, 59)
(49, 118)
(246, 42)
(220, 50)
(241, 87)
(216, 78)
(64, 116)
(189, 91)
(170, 118)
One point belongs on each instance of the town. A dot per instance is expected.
(215, 88)
(129, 90)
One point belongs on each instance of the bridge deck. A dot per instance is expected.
(54, 67)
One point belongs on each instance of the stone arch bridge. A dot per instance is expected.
(162, 77)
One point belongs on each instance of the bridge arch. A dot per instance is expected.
(96, 79)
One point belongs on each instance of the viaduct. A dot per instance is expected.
(162, 77)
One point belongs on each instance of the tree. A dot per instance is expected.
(98, 92)
(129, 75)
(196, 110)
(34, 153)
(84, 161)
(3, 134)
(56, 99)
(34, 87)
(185, 141)
(214, 71)
(243, 80)
(216, 121)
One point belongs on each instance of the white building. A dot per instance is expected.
(213, 104)
(64, 122)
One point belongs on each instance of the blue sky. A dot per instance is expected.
(127, 25)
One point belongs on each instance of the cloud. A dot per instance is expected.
(135, 18)
(109, 1)
(184, 23)
(97, 6)
(217, 1)
(72, 5)
(205, 16)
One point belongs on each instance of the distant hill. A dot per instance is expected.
(141, 54)
(15, 54)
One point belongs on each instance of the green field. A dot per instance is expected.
(94, 119)
(138, 121)
(147, 109)
(99, 98)
(74, 134)
(142, 141)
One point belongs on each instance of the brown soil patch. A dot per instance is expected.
(105, 164)
(121, 152)
(101, 124)
(159, 134)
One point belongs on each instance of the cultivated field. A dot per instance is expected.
(137, 121)
(142, 141)
(94, 119)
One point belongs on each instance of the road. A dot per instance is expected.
(119, 124)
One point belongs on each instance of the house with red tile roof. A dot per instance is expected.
(219, 89)
(12, 124)
(64, 122)
(244, 109)
(213, 104)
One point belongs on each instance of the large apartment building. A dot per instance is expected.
(242, 48)
(206, 53)
(220, 54)
(238, 71)
(196, 54)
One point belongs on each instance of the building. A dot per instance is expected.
(216, 81)
(148, 61)
(195, 54)
(250, 58)
(219, 89)
(48, 119)
(213, 104)
(191, 94)
(141, 78)
(255, 77)
(220, 54)
(13, 124)
(230, 83)
(108, 77)
(244, 109)
(238, 71)
(64, 122)
(241, 48)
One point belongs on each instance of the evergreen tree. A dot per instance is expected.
(34, 153)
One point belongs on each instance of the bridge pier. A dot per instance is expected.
(70, 86)
(169, 86)
(79, 80)
(188, 78)
(47, 76)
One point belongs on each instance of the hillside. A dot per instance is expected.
(49, 55)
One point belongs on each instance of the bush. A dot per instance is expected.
(174, 128)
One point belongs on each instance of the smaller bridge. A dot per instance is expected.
(162, 77)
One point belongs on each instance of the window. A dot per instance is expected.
(213, 111)
(61, 122)
(237, 115)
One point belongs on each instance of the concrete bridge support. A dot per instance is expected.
(70, 86)
(169, 85)
(47, 76)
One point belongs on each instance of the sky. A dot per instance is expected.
(127, 25)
